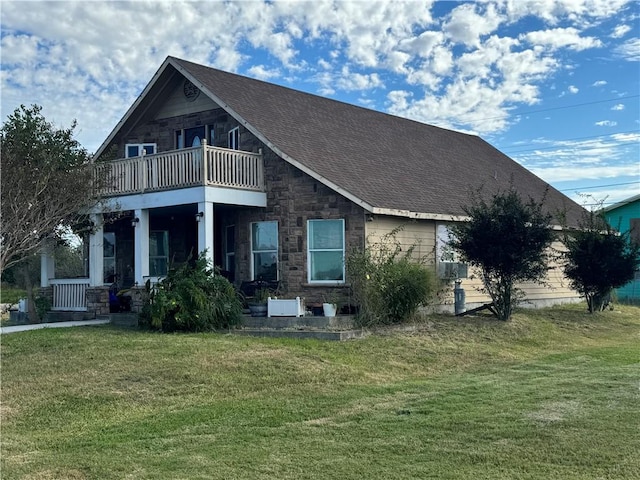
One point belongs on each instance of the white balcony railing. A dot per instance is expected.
(187, 167)
(70, 294)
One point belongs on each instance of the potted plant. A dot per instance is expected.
(258, 304)
(330, 304)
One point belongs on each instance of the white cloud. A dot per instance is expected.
(573, 89)
(458, 71)
(629, 50)
(618, 106)
(620, 31)
(349, 81)
(262, 72)
(599, 83)
(561, 37)
(467, 24)
(606, 123)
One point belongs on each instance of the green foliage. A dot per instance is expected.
(388, 284)
(598, 259)
(47, 179)
(507, 240)
(43, 305)
(10, 294)
(192, 298)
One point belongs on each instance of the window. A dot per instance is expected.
(109, 257)
(158, 253)
(264, 250)
(234, 138)
(135, 149)
(193, 137)
(634, 230)
(449, 265)
(326, 251)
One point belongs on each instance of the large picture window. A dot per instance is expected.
(326, 251)
(264, 250)
(158, 253)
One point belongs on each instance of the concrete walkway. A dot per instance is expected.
(36, 326)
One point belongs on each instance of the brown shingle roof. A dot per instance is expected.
(389, 163)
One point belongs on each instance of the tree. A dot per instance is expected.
(598, 259)
(47, 182)
(508, 241)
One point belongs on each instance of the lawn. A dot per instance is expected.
(552, 394)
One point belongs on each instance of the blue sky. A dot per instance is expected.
(553, 84)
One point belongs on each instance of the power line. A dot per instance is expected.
(575, 105)
(506, 150)
(599, 186)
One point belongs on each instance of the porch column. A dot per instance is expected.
(96, 251)
(47, 264)
(141, 245)
(205, 229)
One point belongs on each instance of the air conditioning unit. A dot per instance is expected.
(452, 270)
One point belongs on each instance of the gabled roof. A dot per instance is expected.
(387, 164)
(622, 203)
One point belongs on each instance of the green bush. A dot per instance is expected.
(389, 285)
(192, 298)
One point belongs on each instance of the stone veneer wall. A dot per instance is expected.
(98, 300)
(294, 197)
(163, 131)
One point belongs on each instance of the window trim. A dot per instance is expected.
(166, 257)
(443, 237)
(141, 147)
(276, 251)
(233, 139)
(113, 258)
(310, 251)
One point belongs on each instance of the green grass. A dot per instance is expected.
(10, 294)
(552, 394)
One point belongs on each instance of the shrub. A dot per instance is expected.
(191, 298)
(598, 259)
(388, 284)
(507, 240)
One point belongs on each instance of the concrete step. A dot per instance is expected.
(53, 316)
(336, 335)
(308, 322)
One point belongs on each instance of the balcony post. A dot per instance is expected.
(205, 163)
(141, 242)
(205, 229)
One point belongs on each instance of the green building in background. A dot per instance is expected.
(625, 217)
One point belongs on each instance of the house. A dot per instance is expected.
(277, 184)
(624, 216)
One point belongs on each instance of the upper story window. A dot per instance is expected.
(234, 138)
(136, 149)
(193, 137)
(264, 250)
(325, 251)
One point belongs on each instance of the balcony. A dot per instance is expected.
(188, 167)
